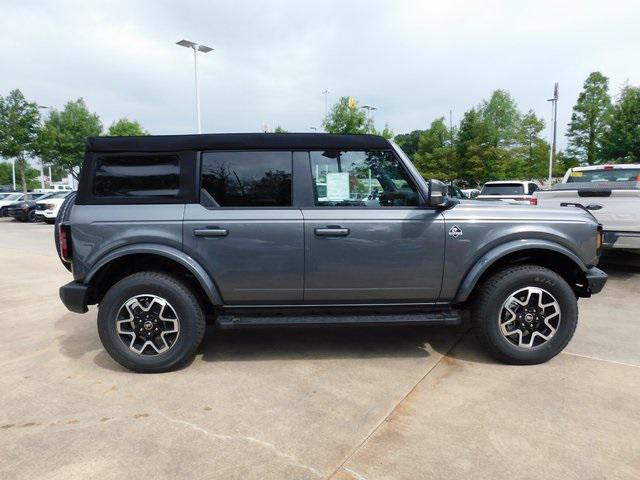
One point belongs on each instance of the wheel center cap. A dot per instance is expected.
(527, 318)
(148, 325)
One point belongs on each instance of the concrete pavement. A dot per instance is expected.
(315, 403)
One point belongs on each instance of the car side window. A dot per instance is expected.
(248, 179)
(532, 188)
(137, 176)
(360, 179)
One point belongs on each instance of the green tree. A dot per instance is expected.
(386, 132)
(435, 157)
(408, 142)
(475, 151)
(61, 141)
(589, 120)
(533, 154)
(622, 141)
(502, 118)
(279, 129)
(345, 117)
(19, 124)
(126, 128)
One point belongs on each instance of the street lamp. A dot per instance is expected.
(43, 107)
(369, 109)
(554, 115)
(196, 48)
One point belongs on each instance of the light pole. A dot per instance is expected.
(369, 109)
(554, 115)
(43, 107)
(326, 104)
(196, 48)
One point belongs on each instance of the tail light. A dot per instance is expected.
(533, 201)
(64, 241)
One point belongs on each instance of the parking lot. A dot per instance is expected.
(342, 403)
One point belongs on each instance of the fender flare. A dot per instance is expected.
(204, 279)
(483, 263)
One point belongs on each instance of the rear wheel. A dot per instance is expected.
(525, 314)
(150, 322)
(3, 212)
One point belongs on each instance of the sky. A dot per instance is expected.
(413, 60)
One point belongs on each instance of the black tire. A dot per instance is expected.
(31, 216)
(3, 212)
(63, 215)
(494, 292)
(181, 299)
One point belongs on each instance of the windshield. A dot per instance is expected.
(503, 189)
(13, 196)
(608, 175)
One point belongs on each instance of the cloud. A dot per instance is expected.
(414, 61)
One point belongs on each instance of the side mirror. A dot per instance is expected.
(438, 194)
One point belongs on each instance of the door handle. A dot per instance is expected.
(594, 206)
(331, 231)
(211, 232)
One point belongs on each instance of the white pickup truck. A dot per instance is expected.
(610, 192)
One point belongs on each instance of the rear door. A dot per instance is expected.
(367, 238)
(245, 231)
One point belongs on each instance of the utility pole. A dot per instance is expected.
(196, 48)
(326, 102)
(43, 107)
(554, 117)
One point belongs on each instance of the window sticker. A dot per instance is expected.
(338, 186)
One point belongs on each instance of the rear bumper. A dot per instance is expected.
(75, 297)
(596, 279)
(621, 240)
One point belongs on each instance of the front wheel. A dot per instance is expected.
(150, 322)
(525, 314)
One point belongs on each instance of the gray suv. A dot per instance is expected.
(166, 232)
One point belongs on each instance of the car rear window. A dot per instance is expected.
(137, 176)
(248, 179)
(606, 175)
(503, 189)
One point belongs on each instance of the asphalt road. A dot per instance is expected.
(342, 403)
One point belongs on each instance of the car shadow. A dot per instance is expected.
(80, 337)
(322, 342)
(620, 265)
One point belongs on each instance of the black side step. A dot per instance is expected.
(423, 318)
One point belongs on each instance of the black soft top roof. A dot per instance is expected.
(236, 141)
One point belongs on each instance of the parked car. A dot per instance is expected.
(610, 192)
(25, 209)
(471, 193)
(298, 229)
(47, 209)
(509, 191)
(8, 199)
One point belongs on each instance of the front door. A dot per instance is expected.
(367, 238)
(245, 231)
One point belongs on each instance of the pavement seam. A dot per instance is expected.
(384, 420)
(601, 359)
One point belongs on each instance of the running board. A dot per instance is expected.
(423, 318)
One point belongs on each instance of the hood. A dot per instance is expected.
(480, 209)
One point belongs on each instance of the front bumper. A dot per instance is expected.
(75, 296)
(596, 279)
(621, 240)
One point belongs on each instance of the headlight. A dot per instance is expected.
(50, 206)
(599, 235)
